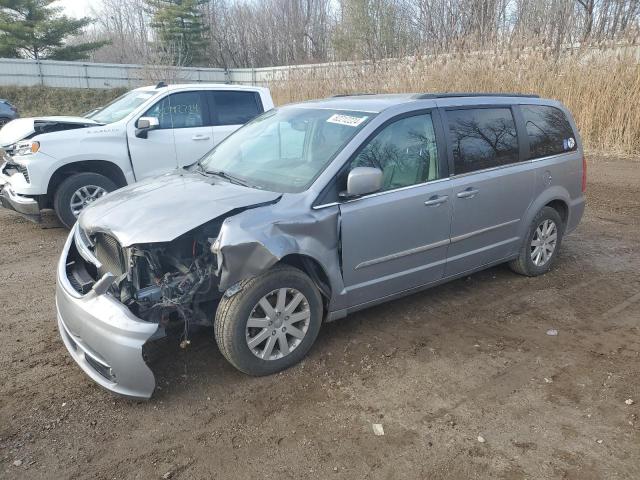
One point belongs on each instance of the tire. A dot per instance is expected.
(525, 264)
(72, 185)
(232, 317)
(4, 121)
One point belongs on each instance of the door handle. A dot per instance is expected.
(200, 137)
(436, 200)
(468, 193)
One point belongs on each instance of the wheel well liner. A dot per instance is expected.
(562, 208)
(102, 167)
(314, 269)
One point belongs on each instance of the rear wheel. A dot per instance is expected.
(77, 192)
(541, 245)
(271, 323)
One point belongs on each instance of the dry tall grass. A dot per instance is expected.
(602, 89)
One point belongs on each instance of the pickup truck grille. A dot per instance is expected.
(10, 168)
(109, 253)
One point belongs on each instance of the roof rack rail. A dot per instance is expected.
(358, 94)
(161, 84)
(424, 96)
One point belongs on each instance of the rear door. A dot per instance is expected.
(396, 239)
(230, 109)
(491, 185)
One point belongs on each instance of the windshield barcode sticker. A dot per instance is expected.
(347, 120)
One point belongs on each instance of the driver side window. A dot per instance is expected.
(178, 110)
(405, 151)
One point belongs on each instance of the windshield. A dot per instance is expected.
(284, 150)
(121, 106)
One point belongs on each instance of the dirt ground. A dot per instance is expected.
(437, 370)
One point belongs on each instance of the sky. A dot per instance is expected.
(77, 8)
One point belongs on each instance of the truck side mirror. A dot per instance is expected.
(363, 180)
(145, 124)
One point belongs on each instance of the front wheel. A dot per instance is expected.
(541, 245)
(271, 323)
(77, 192)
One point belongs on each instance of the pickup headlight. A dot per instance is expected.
(26, 148)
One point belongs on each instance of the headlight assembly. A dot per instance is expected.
(26, 148)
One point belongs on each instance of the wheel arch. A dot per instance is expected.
(314, 269)
(103, 167)
(556, 197)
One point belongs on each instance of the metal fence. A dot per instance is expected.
(50, 73)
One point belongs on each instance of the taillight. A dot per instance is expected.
(584, 174)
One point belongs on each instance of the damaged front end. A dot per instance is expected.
(113, 300)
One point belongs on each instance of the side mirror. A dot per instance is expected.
(363, 180)
(145, 124)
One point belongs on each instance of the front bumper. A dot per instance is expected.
(103, 336)
(24, 205)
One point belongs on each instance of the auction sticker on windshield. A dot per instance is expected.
(347, 120)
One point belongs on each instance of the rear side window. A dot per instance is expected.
(235, 108)
(482, 138)
(548, 129)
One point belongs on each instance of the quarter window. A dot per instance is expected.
(482, 138)
(548, 129)
(404, 150)
(235, 108)
(179, 110)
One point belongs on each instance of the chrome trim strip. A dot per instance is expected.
(377, 194)
(464, 236)
(404, 253)
(83, 250)
(509, 165)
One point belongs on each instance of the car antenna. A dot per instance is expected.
(161, 84)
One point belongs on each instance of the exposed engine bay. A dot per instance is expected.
(173, 284)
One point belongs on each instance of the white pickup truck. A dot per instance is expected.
(65, 163)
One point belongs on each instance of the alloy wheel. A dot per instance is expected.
(84, 196)
(278, 323)
(544, 242)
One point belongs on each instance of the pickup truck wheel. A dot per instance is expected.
(271, 323)
(78, 191)
(541, 245)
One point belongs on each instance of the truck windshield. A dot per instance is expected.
(121, 106)
(284, 150)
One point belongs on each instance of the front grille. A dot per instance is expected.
(109, 254)
(10, 168)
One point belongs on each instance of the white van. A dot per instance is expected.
(65, 163)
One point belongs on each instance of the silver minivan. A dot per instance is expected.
(313, 211)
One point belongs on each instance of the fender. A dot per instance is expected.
(248, 245)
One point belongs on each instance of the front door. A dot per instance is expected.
(491, 187)
(184, 136)
(397, 239)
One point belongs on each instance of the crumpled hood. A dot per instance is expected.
(21, 128)
(163, 208)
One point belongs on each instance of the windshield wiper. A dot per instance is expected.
(231, 178)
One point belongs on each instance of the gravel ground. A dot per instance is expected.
(440, 370)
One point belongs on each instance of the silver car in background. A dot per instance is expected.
(313, 211)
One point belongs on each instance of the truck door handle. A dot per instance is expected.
(436, 200)
(200, 137)
(468, 193)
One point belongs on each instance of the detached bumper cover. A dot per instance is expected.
(103, 336)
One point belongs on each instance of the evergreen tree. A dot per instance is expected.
(36, 29)
(179, 29)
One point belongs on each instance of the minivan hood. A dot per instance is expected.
(163, 208)
(22, 128)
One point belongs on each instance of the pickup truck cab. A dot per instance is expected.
(65, 163)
